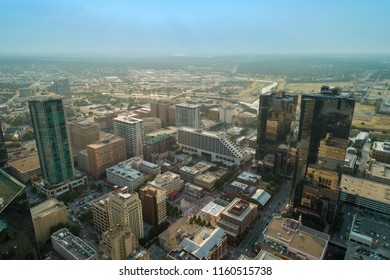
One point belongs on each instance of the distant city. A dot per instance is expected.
(195, 158)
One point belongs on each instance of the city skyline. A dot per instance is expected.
(152, 28)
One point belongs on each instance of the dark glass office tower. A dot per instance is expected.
(277, 112)
(50, 129)
(324, 125)
(17, 237)
(3, 149)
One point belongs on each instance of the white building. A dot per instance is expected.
(217, 145)
(123, 175)
(132, 130)
(188, 115)
(168, 181)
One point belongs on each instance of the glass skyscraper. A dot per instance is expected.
(49, 123)
(324, 125)
(17, 237)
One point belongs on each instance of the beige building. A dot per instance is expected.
(151, 124)
(104, 154)
(117, 243)
(100, 214)
(25, 168)
(168, 181)
(126, 208)
(46, 215)
(154, 207)
(206, 181)
(173, 236)
(82, 134)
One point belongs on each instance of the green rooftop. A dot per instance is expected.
(9, 189)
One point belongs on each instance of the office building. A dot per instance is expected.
(51, 136)
(300, 241)
(118, 243)
(381, 151)
(159, 143)
(154, 207)
(324, 126)
(217, 146)
(82, 134)
(207, 244)
(47, 215)
(212, 213)
(144, 166)
(168, 181)
(17, 239)
(188, 115)
(277, 112)
(3, 149)
(25, 168)
(123, 175)
(151, 124)
(238, 189)
(227, 113)
(237, 217)
(125, 208)
(206, 180)
(160, 109)
(104, 154)
(61, 87)
(172, 236)
(105, 121)
(132, 130)
(71, 247)
(193, 192)
(378, 172)
(100, 216)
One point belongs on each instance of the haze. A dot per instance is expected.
(153, 28)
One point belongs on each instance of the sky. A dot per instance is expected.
(181, 28)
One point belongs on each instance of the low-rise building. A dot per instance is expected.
(261, 196)
(47, 215)
(188, 173)
(174, 235)
(237, 217)
(206, 181)
(125, 176)
(379, 172)
(168, 181)
(248, 178)
(207, 244)
(381, 151)
(238, 189)
(193, 192)
(301, 241)
(25, 168)
(211, 213)
(71, 247)
(349, 164)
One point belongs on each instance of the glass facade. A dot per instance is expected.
(324, 126)
(3, 149)
(277, 112)
(49, 123)
(17, 237)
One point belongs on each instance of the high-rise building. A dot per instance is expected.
(119, 207)
(132, 130)
(47, 215)
(153, 201)
(83, 133)
(160, 109)
(217, 146)
(117, 243)
(61, 87)
(277, 112)
(188, 115)
(125, 208)
(25, 92)
(3, 149)
(17, 238)
(104, 154)
(51, 135)
(324, 126)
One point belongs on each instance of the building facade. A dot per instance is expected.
(3, 149)
(132, 130)
(51, 136)
(154, 207)
(188, 115)
(82, 134)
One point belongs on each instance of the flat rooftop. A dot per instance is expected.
(128, 119)
(380, 169)
(213, 209)
(9, 189)
(248, 176)
(177, 231)
(365, 188)
(238, 209)
(26, 164)
(383, 147)
(187, 105)
(46, 208)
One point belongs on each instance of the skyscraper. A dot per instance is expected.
(277, 112)
(82, 134)
(3, 149)
(50, 129)
(188, 115)
(17, 238)
(132, 130)
(324, 126)
(153, 201)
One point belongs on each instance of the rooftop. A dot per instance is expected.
(74, 245)
(261, 196)
(9, 189)
(238, 209)
(208, 178)
(187, 105)
(26, 164)
(350, 160)
(178, 231)
(125, 171)
(46, 208)
(379, 169)
(381, 146)
(365, 188)
(248, 176)
(189, 169)
(105, 141)
(213, 209)
(127, 119)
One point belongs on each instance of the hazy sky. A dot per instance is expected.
(142, 27)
